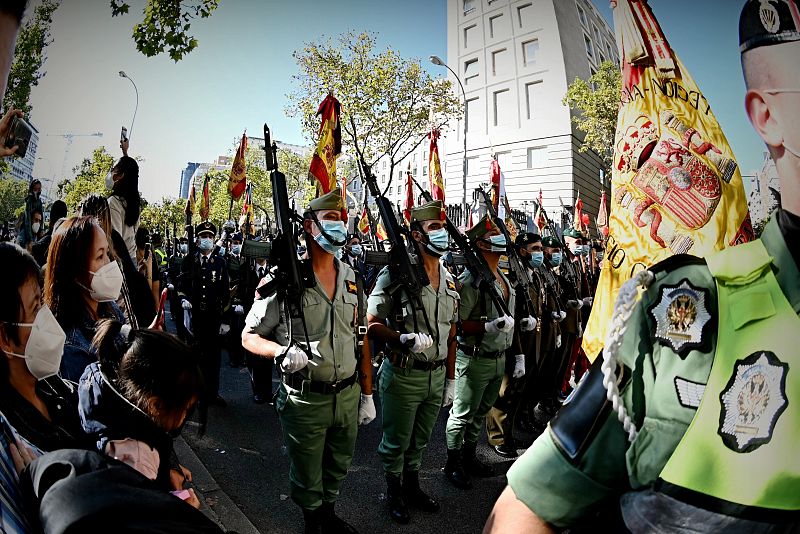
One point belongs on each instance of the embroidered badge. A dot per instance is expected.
(451, 285)
(352, 287)
(681, 316)
(752, 402)
(770, 18)
(689, 393)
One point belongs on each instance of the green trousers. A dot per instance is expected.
(410, 401)
(478, 382)
(320, 435)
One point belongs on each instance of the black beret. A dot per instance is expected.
(526, 239)
(768, 22)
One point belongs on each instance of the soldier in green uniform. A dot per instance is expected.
(703, 421)
(412, 380)
(320, 403)
(483, 338)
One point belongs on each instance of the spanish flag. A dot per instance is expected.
(247, 206)
(190, 202)
(435, 168)
(238, 181)
(205, 202)
(363, 222)
(323, 164)
(675, 185)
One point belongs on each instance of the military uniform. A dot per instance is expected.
(174, 277)
(708, 353)
(260, 369)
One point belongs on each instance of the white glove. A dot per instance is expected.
(171, 287)
(421, 341)
(558, 341)
(366, 410)
(504, 323)
(224, 329)
(574, 304)
(238, 309)
(519, 366)
(187, 320)
(559, 316)
(294, 359)
(186, 305)
(528, 323)
(588, 301)
(449, 392)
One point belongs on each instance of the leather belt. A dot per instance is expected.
(404, 361)
(475, 352)
(296, 380)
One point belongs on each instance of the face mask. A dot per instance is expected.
(356, 251)
(35, 227)
(206, 244)
(439, 241)
(336, 230)
(577, 250)
(184, 248)
(536, 259)
(45, 344)
(600, 256)
(236, 249)
(106, 283)
(555, 259)
(301, 251)
(499, 243)
(222, 251)
(109, 180)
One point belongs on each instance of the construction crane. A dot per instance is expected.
(70, 137)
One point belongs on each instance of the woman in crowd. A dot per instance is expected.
(81, 287)
(135, 399)
(58, 211)
(124, 200)
(33, 204)
(41, 407)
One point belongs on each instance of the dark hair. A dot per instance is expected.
(67, 260)
(148, 364)
(142, 237)
(128, 188)
(32, 184)
(15, 8)
(19, 267)
(58, 210)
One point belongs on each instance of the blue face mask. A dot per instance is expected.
(184, 248)
(440, 241)
(536, 259)
(206, 244)
(236, 249)
(337, 231)
(499, 243)
(555, 259)
(356, 250)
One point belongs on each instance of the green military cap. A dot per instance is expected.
(329, 201)
(481, 228)
(551, 241)
(572, 232)
(205, 226)
(430, 211)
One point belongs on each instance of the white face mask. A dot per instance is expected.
(106, 283)
(45, 344)
(35, 227)
(109, 180)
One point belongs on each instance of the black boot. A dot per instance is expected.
(333, 524)
(507, 449)
(398, 510)
(472, 464)
(454, 470)
(414, 494)
(311, 518)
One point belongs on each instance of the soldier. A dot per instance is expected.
(704, 427)
(412, 380)
(484, 336)
(501, 418)
(205, 292)
(235, 314)
(318, 399)
(173, 280)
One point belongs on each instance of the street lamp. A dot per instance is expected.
(436, 60)
(123, 75)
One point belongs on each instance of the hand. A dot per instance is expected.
(366, 410)
(224, 329)
(294, 359)
(192, 499)
(21, 455)
(124, 145)
(519, 366)
(186, 305)
(5, 125)
(449, 392)
(504, 323)
(238, 309)
(574, 304)
(528, 323)
(558, 341)
(416, 342)
(588, 301)
(558, 316)
(171, 287)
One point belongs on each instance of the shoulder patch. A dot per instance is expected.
(689, 393)
(451, 285)
(351, 287)
(681, 316)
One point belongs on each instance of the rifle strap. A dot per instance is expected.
(361, 317)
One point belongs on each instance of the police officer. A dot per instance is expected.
(318, 399)
(484, 336)
(705, 429)
(205, 294)
(235, 314)
(173, 281)
(412, 380)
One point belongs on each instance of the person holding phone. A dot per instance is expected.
(124, 201)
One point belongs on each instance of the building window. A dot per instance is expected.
(472, 166)
(469, 6)
(471, 114)
(582, 16)
(530, 49)
(532, 92)
(504, 160)
(609, 49)
(502, 107)
(424, 170)
(537, 157)
(589, 47)
(425, 155)
(470, 70)
(384, 165)
(525, 15)
(470, 32)
(495, 23)
(499, 61)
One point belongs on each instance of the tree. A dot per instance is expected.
(89, 178)
(388, 103)
(597, 100)
(29, 56)
(167, 212)
(12, 197)
(166, 25)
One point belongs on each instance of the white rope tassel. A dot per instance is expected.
(623, 308)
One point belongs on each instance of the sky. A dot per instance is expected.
(237, 78)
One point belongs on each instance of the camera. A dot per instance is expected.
(19, 134)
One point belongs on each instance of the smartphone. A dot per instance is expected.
(19, 134)
(123, 136)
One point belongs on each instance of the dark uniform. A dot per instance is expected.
(261, 369)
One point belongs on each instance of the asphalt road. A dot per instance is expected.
(243, 450)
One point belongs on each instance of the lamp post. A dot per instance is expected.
(135, 109)
(436, 60)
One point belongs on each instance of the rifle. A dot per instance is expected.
(291, 276)
(514, 263)
(483, 276)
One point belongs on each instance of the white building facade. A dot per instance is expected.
(516, 59)
(22, 168)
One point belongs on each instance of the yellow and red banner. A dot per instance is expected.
(323, 163)
(435, 168)
(675, 187)
(205, 203)
(238, 180)
(363, 222)
(408, 201)
(190, 202)
(247, 208)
